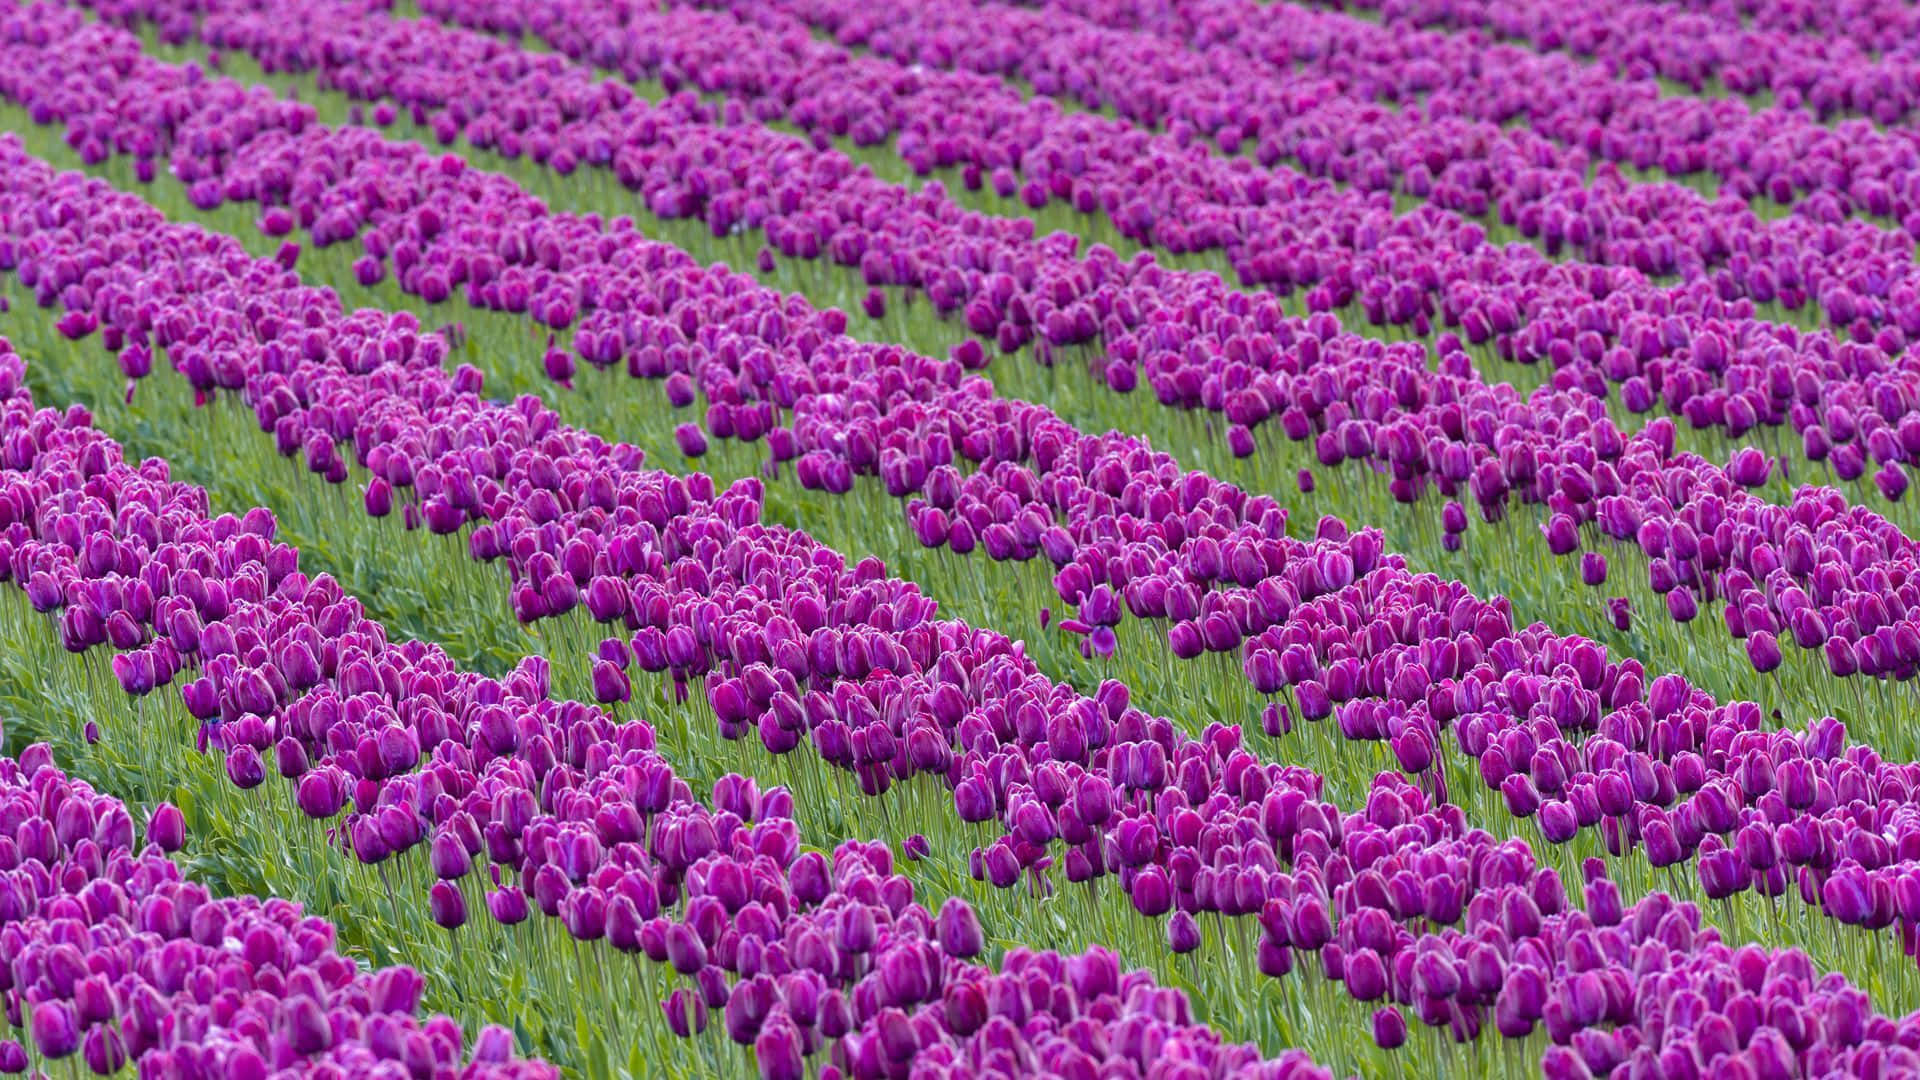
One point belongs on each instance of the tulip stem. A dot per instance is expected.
(392, 904)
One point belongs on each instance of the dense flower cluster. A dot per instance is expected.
(1442, 899)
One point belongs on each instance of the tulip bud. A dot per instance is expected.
(959, 929)
(610, 684)
(1562, 535)
(319, 795)
(1593, 569)
(1389, 1028)
(55, 1030)
(105, 1050)
(1764, 651)
(167, 828)
(777, 1050)
(686, 1013)
(493, 1046)
(1680, 605)
(1183, 934)
(449, 856)
(508, 906)
(245, 768)
(448, 905)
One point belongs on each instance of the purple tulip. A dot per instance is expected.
(1389, 1028)
(167, 828)
(508, 906)
(1593, 569)
(686, 1013)
(56, 1034)
(244, 767)
(1680, 605)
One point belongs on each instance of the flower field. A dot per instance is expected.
(1121, 539)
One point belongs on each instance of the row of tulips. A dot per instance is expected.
(1829, 74)
(1877, 26)
(589, 826)
(1785, 155)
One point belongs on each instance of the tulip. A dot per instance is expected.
(508, 906)
(1389, 1028)
(167, 828)
(56, 1034)
(1763, 651)
(686, 1013)
(244, 767)
(1561, 536)
(1152, 893)
(777, 1051)
(493, 1046)
(610, 684)
(449, 856)
(318, 795)
(1365, 975)
(1593, 569)
(1680, 605)
(1183, 934)
(104, 1050)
